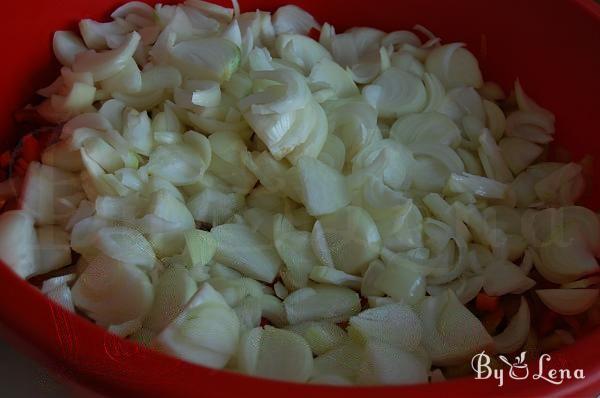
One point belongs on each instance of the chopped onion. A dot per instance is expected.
(18, 241)
(451, 333)
(246, 252)
(568, 301)
(515, 334)
(206, 332)
(321, 303)
(276, 354)
(351, 236)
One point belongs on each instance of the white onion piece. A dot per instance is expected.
(530, 126)
(519, 153)
(480, 186)
(491, 154)
(385, 364)
(246, 252)
(568, 301)
(106, 64)
(96, 35)
(211, 10)
(181, 164)
(111, 292)
(527, 104)
(402, 279)
(503, 277)
(215, 207)
(454, 66)
(321, 302)
(382, 324)
(301, 51)
(53, 249)
(425, 127)
(18, 241)
(400, 226)
(451, 333)
(67, 46)
(292, 19)
(332, 276)
(369, 280)
(395, 93)
(206, 332)
(275, 354)
(582, 283)
(333, 153)
(174, 289)
(291, 94)
(46, 193)
(126, 245)
(294, 248)
(128, 80)
(57, 290)
(343, 361)
(327, 73)
(352, 238)
(321, 336)
(515, 334)
(562, 186)
(319, 187)
(206, 59)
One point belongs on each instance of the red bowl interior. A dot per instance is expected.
(553, 47)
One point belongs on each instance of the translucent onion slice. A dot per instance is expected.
(206, 59)
(332, 276)
(111, 292)
(180, 164)
(244, 251)
(395, 93)
(215, 207)
(519, 153)
(275, 354)
(53, 249)
(321, 302)
(294, 248)
(503, 277)
(18, 241)
(290, 94)
(292, 19)
(515, 334)
(455, 66)
(401, 279)
(568, 301)
(382, 323)
(108, 63)
(320, 188)
(341, 362)
(67, 46)
(352, 238)
(300, 50)
(425, 127)
(329, 74)
(57, 290)
(479, 186)
(385, 364)
(174, 289)
(451, 333)
(206, 332)
(321, 336)
(45, 192)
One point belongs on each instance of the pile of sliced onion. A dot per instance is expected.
(242, 195)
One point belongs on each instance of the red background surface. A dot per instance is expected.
(552, 46)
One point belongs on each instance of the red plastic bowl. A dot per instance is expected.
(553, 46)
